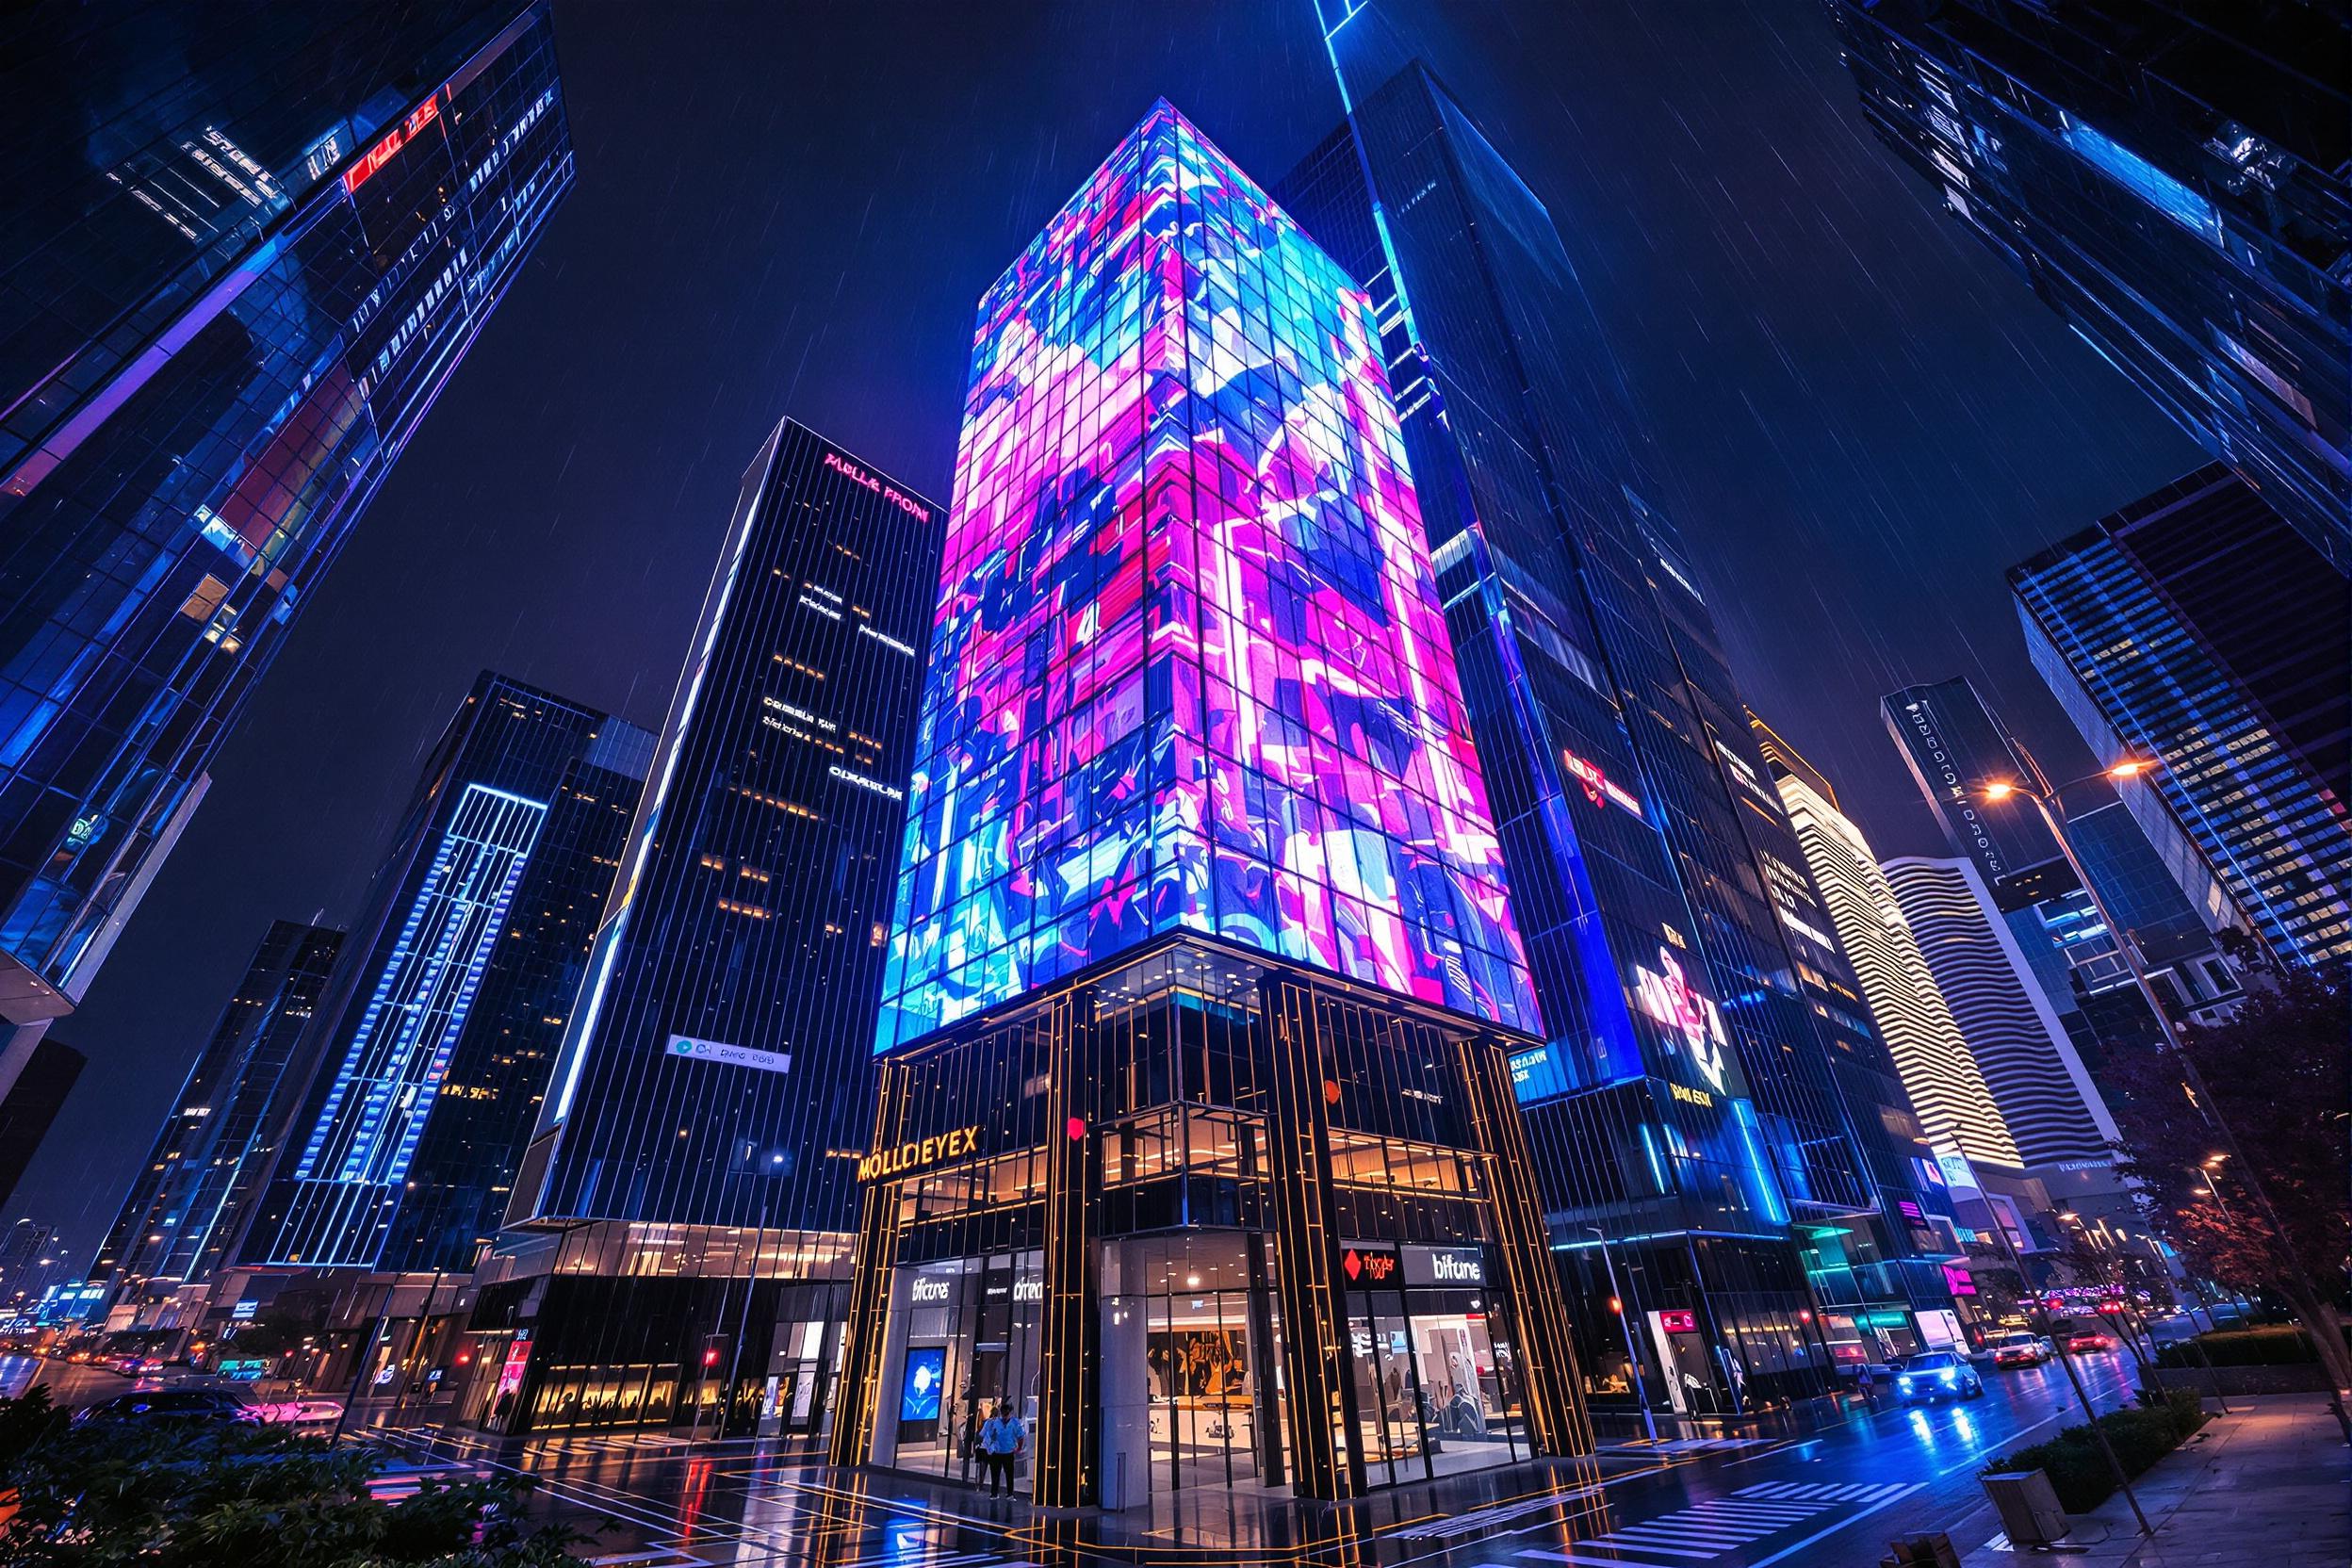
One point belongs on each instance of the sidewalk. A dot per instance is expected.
(2267, 1487)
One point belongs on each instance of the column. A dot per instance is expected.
(1325, 1463)
(1067, 1319)
(874, 1263)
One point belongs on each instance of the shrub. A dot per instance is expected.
(2078, 1471)
(2283, 1345)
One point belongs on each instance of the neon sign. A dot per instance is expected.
(917, 1153)
(1669, 998)
(858, 476)
(398, 137)
(1597, 787)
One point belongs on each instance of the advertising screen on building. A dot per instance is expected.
(1190, 669)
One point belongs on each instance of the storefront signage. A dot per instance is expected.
(1678, 1322)
(1371, 1267)
(1444, 1265)
(733, 1056)
(1690, 1096)
(917, 1153)
(929, 1290)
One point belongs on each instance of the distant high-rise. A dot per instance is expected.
(29, 1101)
(2172, 180)
(241, 249)
(715, 1086)
(434, 1044)
(187, 1205)
(1942, 1078)
(2195, 629)
(2052, 1110)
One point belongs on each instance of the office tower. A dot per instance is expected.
(30, 1102)
(690, 1190)
(2054, 1112)
(1201, 979)
(1693, 1134)
(1938, 1072)
(188, 1202)
(433, 1044)
(1956, 749)
(241, 249)
(2195, 630)
(2171, 180)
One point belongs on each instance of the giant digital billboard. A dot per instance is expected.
(1189, 670)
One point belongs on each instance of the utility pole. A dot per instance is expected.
(1633, 1361)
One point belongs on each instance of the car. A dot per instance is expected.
(1937, 1375)
(2089, 1339)
(171, 1407)
(2021, 1350)
(307, 1411)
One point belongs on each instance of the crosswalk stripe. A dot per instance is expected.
(1662, 1530)
(1569, 1558)
(1658, 1551)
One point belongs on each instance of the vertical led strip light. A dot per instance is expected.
(1190, 670)
(391, 1075)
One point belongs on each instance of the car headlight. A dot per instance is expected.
(1904, 1384)
(1945, 1374)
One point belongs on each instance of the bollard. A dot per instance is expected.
(1921, 1551)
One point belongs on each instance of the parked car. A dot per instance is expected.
(301, 1411)
(173, 1406)
(1937, 1375)
(2022, 1350)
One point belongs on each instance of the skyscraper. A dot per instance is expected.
(433, 1044)
(2195, 630)
(1202, 978)
(2171, 180)
(1697, 1133)
(187, 1205)
(1957, 748)
(692, 1181)
(246, 250)
(2055, 1114)
(1938, 1072)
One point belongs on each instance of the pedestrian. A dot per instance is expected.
(999, 1445)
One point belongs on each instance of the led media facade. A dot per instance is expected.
(1190, 670)
(385, 1086)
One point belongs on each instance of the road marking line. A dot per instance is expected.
(1833, 1529)
(1659, 1551)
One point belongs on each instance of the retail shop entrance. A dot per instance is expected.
(1121, 1211)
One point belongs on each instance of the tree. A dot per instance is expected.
(106, 1493)
(2281, 1076)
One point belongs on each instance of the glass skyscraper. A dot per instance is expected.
(240, 253)
(1195, 1148)
(692, 1183)
(2195, 630)
(2171, 179)
(187, 1205)
(1685, 1094)
(433, 1044)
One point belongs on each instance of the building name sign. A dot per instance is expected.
(929, 1290)
(858, 476)
(1371, 1267)
(1444, 1265)
(917, 1153)
(399, 137)
(733, 1056)
(1690, 1096)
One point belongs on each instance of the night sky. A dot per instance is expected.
(1860, 416)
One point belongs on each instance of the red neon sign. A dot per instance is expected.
(396, 138)
(1678, 1322)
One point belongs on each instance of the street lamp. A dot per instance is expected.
(2044, 796)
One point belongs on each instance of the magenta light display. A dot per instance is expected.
(1189, 669)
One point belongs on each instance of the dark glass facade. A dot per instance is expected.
(1683, 1104)
(2170, 177)
(187, 1205)
(2195, 629)
(435, 1039)
(687, 1204)
(244, 247)
(31, 1102)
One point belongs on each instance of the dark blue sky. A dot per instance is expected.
(1860, 417)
